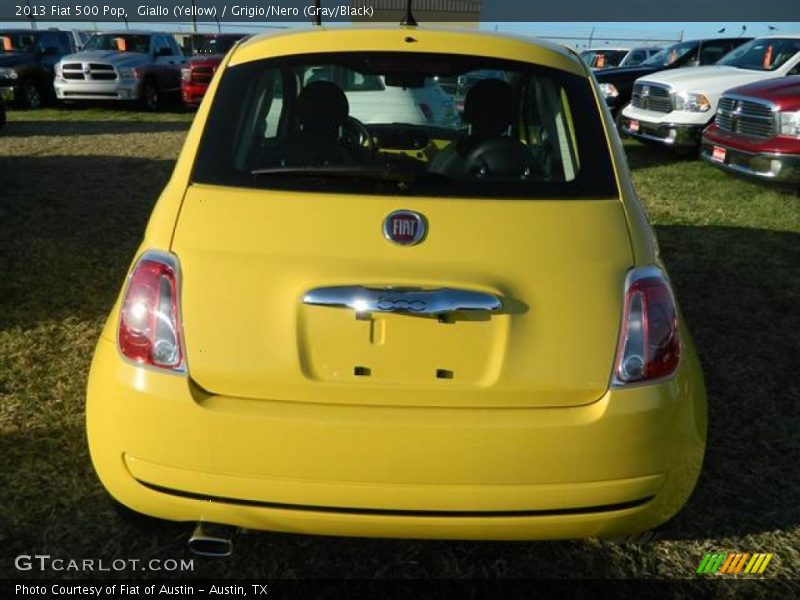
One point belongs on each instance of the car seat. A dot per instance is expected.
(321, 112)
(489, 109)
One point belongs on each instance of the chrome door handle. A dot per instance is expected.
(410, 300)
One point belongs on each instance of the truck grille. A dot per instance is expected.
(202, 74)
(746, 116)
(649, 96)
(88, 72)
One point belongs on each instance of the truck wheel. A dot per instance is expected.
(151, 99)
(30, 94)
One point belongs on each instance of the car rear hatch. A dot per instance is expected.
(249, 257)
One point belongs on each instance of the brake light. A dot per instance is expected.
(649, 342)
(150, 330)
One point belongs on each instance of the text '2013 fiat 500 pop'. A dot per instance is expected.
(351, 322)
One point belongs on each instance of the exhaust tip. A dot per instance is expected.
(210, 539)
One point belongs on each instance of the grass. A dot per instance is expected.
(76, 188)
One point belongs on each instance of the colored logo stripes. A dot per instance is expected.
(733, 563)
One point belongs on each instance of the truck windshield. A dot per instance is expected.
(119, 42)
(15, 41)
(360, 122)
(765, 54)
(602, 59)
(677, 53)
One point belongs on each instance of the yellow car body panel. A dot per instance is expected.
(272, 430)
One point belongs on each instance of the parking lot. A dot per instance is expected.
(76, 189)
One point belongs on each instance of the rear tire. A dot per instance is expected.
(151, 98)
(30, 94)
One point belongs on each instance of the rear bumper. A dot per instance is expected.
(766, 166)
(623, 464)
(121, 89)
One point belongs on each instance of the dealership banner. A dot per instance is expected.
(293, 11)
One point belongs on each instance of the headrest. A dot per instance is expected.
(322, 105)
(489, 106)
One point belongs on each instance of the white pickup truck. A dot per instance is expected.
(671, 108)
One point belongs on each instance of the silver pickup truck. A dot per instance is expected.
(133, 66)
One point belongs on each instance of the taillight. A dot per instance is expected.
(649, 343)
(149, 327)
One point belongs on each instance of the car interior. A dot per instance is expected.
(515, 126)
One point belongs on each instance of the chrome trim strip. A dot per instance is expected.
(403, 300)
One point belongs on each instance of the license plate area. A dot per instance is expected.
(337, 345)
(718, 154)
(633, 126)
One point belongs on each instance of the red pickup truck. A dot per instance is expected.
(200, 69)
(756, 131)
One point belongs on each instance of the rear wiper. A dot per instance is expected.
(373, 172)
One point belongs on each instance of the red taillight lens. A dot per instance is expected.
(649, 345)
(149, 326)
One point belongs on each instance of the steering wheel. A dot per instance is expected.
(356, 137)
(500, 158)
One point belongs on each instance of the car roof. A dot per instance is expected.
(437, 40)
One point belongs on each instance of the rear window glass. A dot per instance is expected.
(424, 124)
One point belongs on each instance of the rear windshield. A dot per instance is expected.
(384, 123)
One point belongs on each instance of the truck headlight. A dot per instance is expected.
(691, 102)
(608, 90)
(8, 74)
(128, 74)
(186, 74)
(790, 123)
(58, 70)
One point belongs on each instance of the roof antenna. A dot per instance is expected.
(317, 14)
(409, 20)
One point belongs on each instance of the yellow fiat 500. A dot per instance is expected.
(400, 285)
